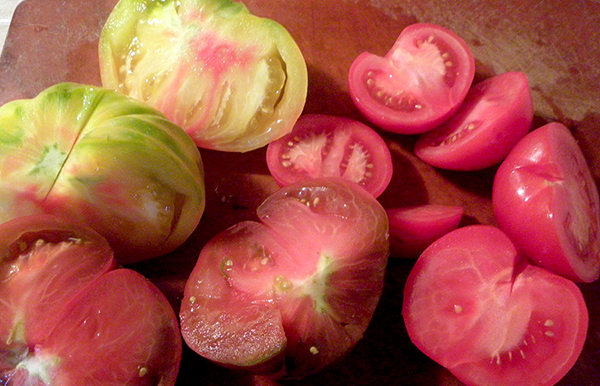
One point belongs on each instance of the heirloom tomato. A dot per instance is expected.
(495, 115)
(105, 159)
(418, 84)
(232, 80)
(330, 146)
(68, 317)
(294, 292)
(545, 198)
(473, 304)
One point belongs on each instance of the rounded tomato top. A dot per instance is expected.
(105, 159)
(495, 115)
(232, 80)
(545, 197)
(330, 146)
(418, 84)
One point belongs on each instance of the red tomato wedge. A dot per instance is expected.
(412, 229)
(473, 304)
(545, 198)
(295, 292)
(495, 115)
(68, 318)
(331, 146)
(418, 84)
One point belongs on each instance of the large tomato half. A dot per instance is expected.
(105, 159)
(232, 80)
(545, 198)
(69, 318)
(418, 84)
(295, 291)
(475, 306)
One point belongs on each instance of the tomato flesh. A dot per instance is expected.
(495, 115)
(295, 292)
(545, 198)
(474, 305)
(330, 146)
(419, 83)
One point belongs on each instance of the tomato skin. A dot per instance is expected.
(412, 229)
(423, 87)
(545, 198)
(474, 304)
(295, 292)
(232, 80)
(495, 115)
(331, 146)
(108, 160)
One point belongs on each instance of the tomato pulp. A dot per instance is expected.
(330, 146)
(296, 291)
(545, 198)
(418, 84)
(473, 304)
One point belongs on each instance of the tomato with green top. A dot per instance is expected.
(234, 81)
(103, 158)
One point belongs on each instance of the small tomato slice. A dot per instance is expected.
(294, 292)
(495, 115)
(232, 80)
(473, 304)
(545, 198)
(412, 229)
(330, 146)
(418, 84)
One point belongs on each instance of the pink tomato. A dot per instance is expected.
(545, 198)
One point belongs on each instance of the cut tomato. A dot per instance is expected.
(478, 308)
(495, 115)
(419, 83)
(545, 198)
(330, 146)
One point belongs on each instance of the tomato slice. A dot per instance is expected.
(412, 229)
(234, 81)
(545, 198)
(418, 84)
(495, 115)
(331, 146)
(473, 304)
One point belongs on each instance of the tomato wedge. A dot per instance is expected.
(473, 304)
(418, 84)
(495, 115)
(331, 146)
(545, 198)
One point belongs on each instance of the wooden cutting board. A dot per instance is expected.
(555, 42)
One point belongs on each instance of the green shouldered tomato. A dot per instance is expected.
(232, 80)
(105, 159)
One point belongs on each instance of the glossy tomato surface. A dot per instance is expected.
(105, 159)
(295, 292)
(234, 81)
(418, 84)
(545, 198)
(495, 115)
(69, 318)
(478, 308)
(412, 229)
(331, 146)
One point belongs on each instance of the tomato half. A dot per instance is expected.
(296, 291)
(412, 229)
(495, 115)
(330, 146)
(418, 84)
(473, 304)
(69, 317)
(232, 80)
(545, 198)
